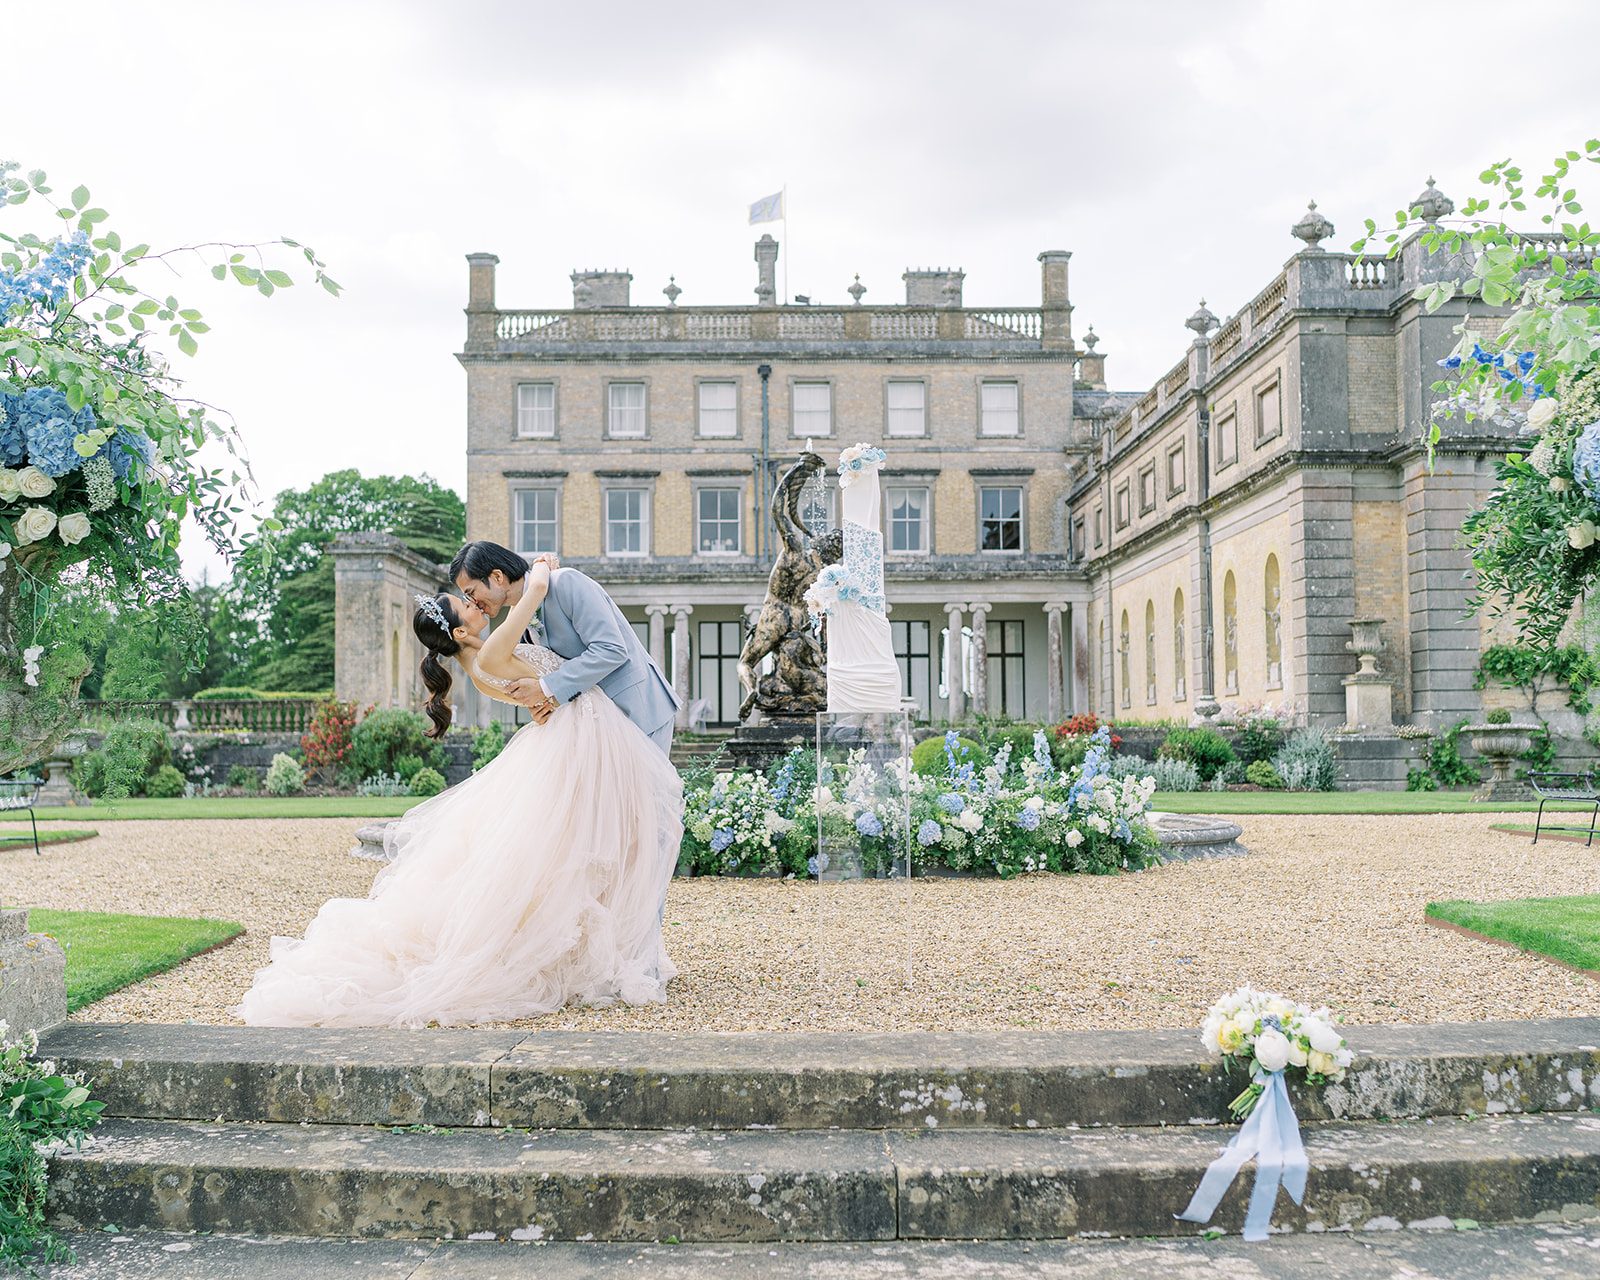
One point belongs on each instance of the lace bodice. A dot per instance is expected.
(542, 660)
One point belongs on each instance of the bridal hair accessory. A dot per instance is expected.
(430, 608)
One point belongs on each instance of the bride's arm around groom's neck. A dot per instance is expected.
(497, 655)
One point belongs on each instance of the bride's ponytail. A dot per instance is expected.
(432, 625)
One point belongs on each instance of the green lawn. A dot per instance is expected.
(108, 952)
(1231, 802)
(241, 807)
(1564, 929)
(23, 839)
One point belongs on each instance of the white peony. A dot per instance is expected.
(34, 483)
(10, 489)
(1543, 413)
(35, 524)
(1272, 1050)
(1323, 1037)
(1074, 838)
(1297, 1055)
(971, 820)
(74, 528)
(1209, 1033)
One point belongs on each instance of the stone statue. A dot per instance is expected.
(798, 686)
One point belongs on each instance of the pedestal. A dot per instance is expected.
(1368, 702)
(33, 986)
(757, 747)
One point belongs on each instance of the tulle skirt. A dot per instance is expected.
(537, 882)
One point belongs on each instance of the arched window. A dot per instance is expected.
(1180, 686)
(1230, 635)
(1150, 653)
(1273, 622)
(1124, 647)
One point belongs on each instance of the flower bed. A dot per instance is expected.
(1007, 818)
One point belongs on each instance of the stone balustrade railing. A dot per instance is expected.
(741, 324)
(259, 715)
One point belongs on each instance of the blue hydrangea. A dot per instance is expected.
(48, 280)
(950, 802)
(818, 864)
(721, 839)
(868, 825)
(130, 452)
(13, 445)
(1586, 461)
(1028, 819)
(49, 426)
(929, 832)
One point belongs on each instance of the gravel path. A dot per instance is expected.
(1325, 909)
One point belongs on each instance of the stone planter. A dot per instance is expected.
(1500, 745)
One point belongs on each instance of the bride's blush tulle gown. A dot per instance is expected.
(536, 882)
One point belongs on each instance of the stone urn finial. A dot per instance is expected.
(1432, 204)
(1090, 339)
(672, 291)
(857, 289)
(1202, 321)
(1313, 228)
(1368, 643)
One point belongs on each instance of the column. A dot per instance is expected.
(1053, 610)
(680, 659)
(1078, 702)
(952, 662)
(658, 635)
(980, 655)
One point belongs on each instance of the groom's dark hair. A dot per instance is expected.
(480, 559)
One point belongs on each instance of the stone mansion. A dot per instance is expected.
(1134, 554)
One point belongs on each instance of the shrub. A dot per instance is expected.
(384, 738)
(427, 782)
(1420, 780)
(242, 775)
(1175, 775)
(1257, 739)
(1071, 740)
(1206, 749)
(384, 784)
(326, 743)
(1261, 774)
(285, 777)
(928, 756)
(166, 783)
(132, 753)
(488, 743)
(1500, 715)
(89, 773)
(408, 767)
(1308, 762)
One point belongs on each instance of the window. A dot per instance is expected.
(813, 409)
(1099, 527)
(912, 655)
(1177, 480)
(536, 521)
(626, 516)
(1147, 490)
(907, 409)
(536, 411)
(718, 517)
(626, 419)
(1179, 684)
(908, 518)
(719, 409)
(1079, 547)
(1269, 414)
(999, 405)
(1005, 668)
(1124, 511)
(1227, 439)
(1000, 516)
(720, 643)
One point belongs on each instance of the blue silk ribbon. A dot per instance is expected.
(1271, 1136)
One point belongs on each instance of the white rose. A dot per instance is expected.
(1543, 413)
(1272, 1050)
(1297, 1055)
(1323, 1064)
(1074, 838)
(74, 528)
(1582, 534)
(34, 483)
(1559, 484)
(1324, 1039)
(10, 490)
(35, 524)
(1209, 1033)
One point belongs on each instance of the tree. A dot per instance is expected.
(99, 453)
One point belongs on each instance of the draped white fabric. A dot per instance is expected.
(536, 882)
(862, 673)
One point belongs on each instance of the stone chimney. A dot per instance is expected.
(767, 277)
(1057, 327)
(480, 300)
(600, 289)
(933, 286)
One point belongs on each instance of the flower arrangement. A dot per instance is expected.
(857, 460)
(1270, 1033)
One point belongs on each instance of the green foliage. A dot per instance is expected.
(1257, 739)
(384, 739)
(1541, 753)
(326, 742)
(242, 775)
(165, 783)
(1308, 761)
(1260, 773)
(1206, 749)
(1533, 670)
(1421, 780)
(929, 758)
(1498, 715)
(427, 782)
(487, 744)
(284, 777)
(133, 751)
(1443, 756)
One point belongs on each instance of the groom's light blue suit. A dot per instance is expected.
(583, 624)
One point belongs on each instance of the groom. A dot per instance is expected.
(582, 624)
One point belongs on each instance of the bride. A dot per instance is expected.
(536, 882)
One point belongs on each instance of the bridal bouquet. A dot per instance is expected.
(1271, 1034)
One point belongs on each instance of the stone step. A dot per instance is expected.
(1554, 1251)
(633, 1080)
(626, 1185)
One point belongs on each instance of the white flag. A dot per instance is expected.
(767, 209)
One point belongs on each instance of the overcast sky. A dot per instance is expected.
(1168, 145)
